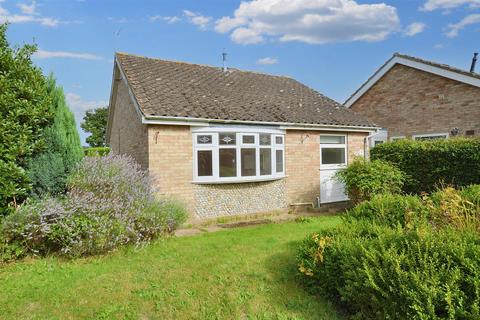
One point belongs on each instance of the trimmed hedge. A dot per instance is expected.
(96, 151)
(429, 164)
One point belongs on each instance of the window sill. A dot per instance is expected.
(237, 180)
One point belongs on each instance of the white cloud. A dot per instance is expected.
(79, 106)
(439, 46)
(267, 60)
(310, 21)
(431, 5)
(29, 9)
(246, 36)
(197, 19)
(454, 29)
(414, 28)
(28, 15)
(43, 54)
(167, 19)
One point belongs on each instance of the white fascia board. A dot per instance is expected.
(281, 125)
(416, 65)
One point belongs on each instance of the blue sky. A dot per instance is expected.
(331, 45)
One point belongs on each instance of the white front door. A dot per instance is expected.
(333, 157)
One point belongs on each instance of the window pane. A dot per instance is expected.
(248, 161)
(248, 139)
(204, 139)
(204, 163)
(279, 160)
(227, 138)
(228, 162)
(333, 155)
(279, 140)
(265, 139)
(332, 139)
(265, 161)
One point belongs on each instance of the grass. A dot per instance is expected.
(246, 273)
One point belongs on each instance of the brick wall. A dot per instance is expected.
(171, 161)
(302, 153)
(408, 101)
(128, 135)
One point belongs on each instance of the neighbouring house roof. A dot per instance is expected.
(190, 91)
(439, 69)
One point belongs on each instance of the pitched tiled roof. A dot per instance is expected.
(439, 65)
(176, 89)
(403, 59)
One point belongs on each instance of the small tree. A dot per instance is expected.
(95, 122)
(49, 169)
(24, 113)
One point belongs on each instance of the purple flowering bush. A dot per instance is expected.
(110, 202)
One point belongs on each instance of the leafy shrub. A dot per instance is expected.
(381, 273)
(448, 207)
(391, 210)
(48, 170)
(401, 257)
(24, 113)
(363, 179)
(428, 164)
(110, 202)
(96, 151)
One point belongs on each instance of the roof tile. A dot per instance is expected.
(178, 89)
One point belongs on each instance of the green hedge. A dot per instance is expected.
(96, 151)
(429, 164)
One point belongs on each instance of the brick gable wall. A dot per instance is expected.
(408, 101)
(128, 135)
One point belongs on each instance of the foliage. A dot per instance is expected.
(110, 202)
(24, 110)
(376, 272)
(96, 152)
(48, 170)
(95, 122)
(363, 179)
(400, 257)
(391, 210)
(429, 164)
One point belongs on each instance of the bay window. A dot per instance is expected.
(225, 155)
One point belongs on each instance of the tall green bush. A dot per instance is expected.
(429, 164)
(48, 170)
(364, 179)
(24, 113)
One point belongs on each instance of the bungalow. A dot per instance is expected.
(419, 99)
(229, 142)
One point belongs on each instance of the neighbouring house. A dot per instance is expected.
(229, 142)
(419, 99)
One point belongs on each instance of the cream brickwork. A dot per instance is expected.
(302, 151)
(408, 101)
(128, 135)
(171, 161)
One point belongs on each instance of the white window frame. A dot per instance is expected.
(395, 138)
(240, 132)
(334, 145)
(427, 135)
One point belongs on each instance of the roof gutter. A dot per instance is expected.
(282, 125)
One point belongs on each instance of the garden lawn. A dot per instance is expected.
(246, 273)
